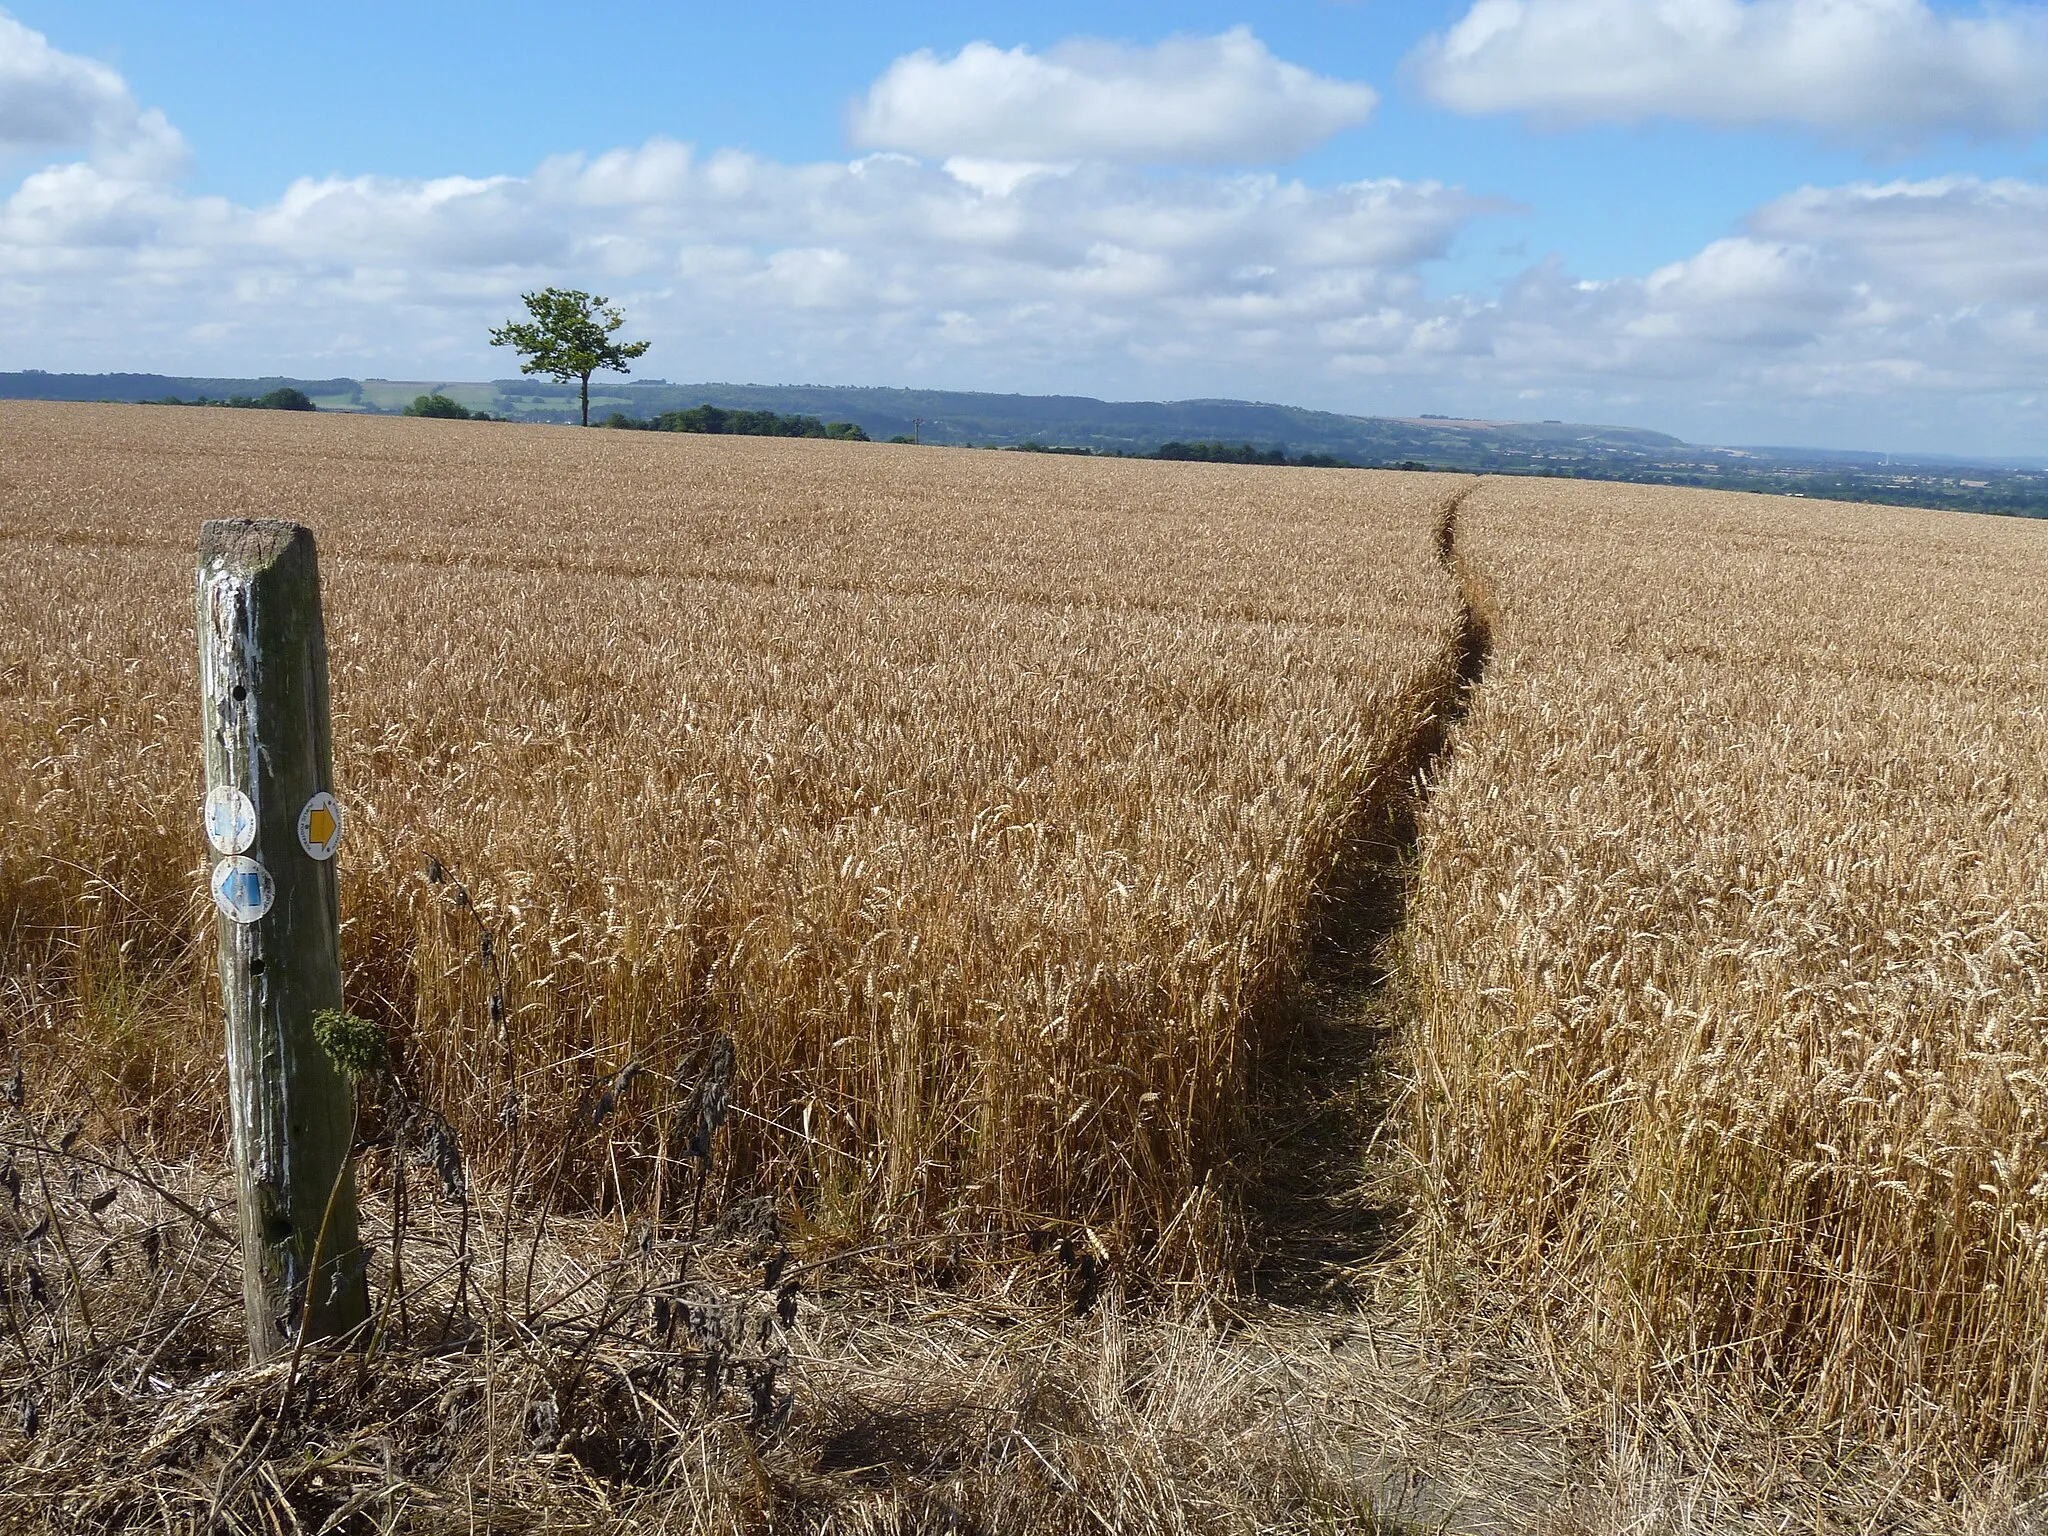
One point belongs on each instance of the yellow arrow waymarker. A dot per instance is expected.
(320, 826)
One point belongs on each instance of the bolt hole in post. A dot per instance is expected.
(273, 826)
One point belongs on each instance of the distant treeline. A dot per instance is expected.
(716, 419)
(286, 399)
(1216, 453)
(1244, 453)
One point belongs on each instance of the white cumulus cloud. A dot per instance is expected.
(1902, 313)
(51, 100)
(885, 266)
(1910, 314)
(1952, 239)
(1886, 70)
(1201, 100)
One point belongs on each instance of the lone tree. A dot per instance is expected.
(569, 337)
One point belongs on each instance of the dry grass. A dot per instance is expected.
(982, 800)
(601, 1377)
(652, 1382)
(1727, 948)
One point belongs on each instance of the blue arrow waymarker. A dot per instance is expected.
(242, 889)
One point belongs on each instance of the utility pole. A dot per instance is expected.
(273, 826)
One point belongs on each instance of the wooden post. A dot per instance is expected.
(272, 827)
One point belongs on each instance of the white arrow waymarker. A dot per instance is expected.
(230, 819)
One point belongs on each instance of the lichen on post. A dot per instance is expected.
(263, 690)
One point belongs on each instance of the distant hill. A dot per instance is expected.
(960, 418)
(34, 384)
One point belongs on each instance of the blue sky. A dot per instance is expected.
(1818, 221)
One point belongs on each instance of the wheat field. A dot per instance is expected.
(992, 806)
(982, 800)
(1731, 1036)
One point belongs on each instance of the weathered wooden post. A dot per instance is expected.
(272, 825)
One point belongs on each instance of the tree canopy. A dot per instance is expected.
(569, 337)
(440, 405)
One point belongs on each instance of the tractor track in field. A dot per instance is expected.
(1461, 1436)
(1324, 1097)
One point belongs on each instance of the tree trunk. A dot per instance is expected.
(586, 399)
